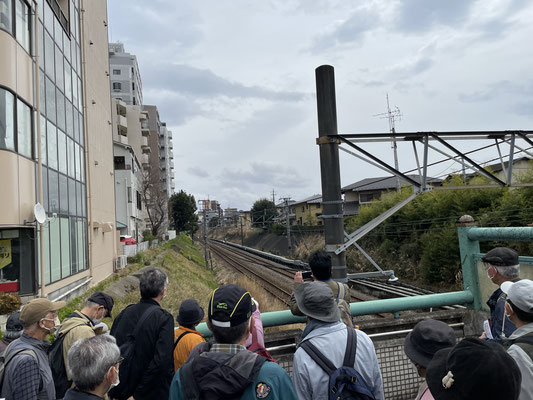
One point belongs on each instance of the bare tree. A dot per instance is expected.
(155, 200)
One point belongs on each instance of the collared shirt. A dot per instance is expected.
(524, 362)
(226, 348)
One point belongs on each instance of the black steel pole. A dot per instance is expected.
(332, 207)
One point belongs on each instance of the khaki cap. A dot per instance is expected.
(37, 309)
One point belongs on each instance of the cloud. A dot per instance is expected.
(199, 172)
(347, 32)
(185, 79)
(262, 174)
(417, 16)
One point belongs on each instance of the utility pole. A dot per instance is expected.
(264, 217)
(288, 223)
(273, 197)
(206, 245)
(242, 236)
(330, 170)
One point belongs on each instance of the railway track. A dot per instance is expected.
(278, 278)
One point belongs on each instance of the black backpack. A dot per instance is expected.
(344, 382)
(57, 363)
(126, 386)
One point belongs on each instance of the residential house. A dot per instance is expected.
(308, 210)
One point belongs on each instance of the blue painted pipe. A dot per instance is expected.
(516, 234)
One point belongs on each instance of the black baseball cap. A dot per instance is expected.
(473, 370)
(104, 300)
(230, 305)
(13, 323)
(501, 257)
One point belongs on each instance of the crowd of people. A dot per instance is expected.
(144, 356)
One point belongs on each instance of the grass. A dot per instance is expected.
(182, 261)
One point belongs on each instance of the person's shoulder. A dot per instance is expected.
(270, 369)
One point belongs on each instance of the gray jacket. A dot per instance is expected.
(525, 363)
(46, 387)
(311, 382)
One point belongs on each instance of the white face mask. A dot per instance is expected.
(56, 325)
(96, 321)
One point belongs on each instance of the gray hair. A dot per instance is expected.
(89, 360)
(12, 335)
(509, 272)
(90, 304)
(152, 283)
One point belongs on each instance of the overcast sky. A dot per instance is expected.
(235, 81)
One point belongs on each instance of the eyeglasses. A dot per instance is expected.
(119, 361)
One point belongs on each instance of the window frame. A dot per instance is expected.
(16, 99)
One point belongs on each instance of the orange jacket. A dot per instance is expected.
(185, 345)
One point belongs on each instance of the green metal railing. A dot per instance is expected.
(469, 237)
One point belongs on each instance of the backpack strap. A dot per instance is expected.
(322, 361)
(143, 318)
(179, 338)
(524, 339)
(351, 348)
(340, 292)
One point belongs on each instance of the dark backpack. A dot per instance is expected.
(524, 342)
(127, 351)
(57, 363)
(344, 382)
(6, 357)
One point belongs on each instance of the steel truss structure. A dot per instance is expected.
(518, 141)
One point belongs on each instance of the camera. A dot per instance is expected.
(306, 274)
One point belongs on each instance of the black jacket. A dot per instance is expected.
(76, 394)
(153, 365)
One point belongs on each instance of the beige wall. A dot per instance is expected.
(16, 67)
(101, 189)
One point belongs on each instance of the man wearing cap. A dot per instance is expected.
(502, 265)
(225, 369)
(473, 370)
(13, 330)
(329, 335)
(186, 337)
(421, 344)
(79, 325)
(27, 373)
(519, 308)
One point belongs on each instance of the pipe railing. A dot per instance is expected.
(285, 317)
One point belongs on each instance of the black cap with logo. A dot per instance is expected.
(230, 305)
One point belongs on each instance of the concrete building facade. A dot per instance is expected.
(55, 146)
(166, 159)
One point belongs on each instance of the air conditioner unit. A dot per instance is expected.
(121, 262)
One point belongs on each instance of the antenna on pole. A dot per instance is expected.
(393, 116)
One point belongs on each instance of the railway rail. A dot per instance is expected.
(277, 277)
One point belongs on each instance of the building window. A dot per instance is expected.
(117, 86)
(133, 86)
(6, 15)
(24, 137)
(17, 260)
(116, 72)
(318, 205)
(7, 117)
(129, 194)
(120, 162)
(23, 25)
(139, 202)
(366, 197)
(134, 102)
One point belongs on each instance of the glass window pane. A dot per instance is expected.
(76, 124)
(50, 100)
(42, 92)
(6, 15)
(23, 24)
(46, 240)
(74, 91)
(24, 138)
(70, 153)
(73, 56)
(7, 119)
(65, 248)
(55, 251)
(82, 164)
(62, 151)
(45, 188)
(53, 191)
(43, 140)
(68, 81)
(66, 45)
(83, 213)
(80, 95)
(73, 246)
(81, 140)
(60, 100)
(52, 145)
(48, 18)
(70, 118)
(72, 197)
(77, 153)
(81, 245)
(49, 55)
(58, 33)
(41, 42)
(59, 69)
(63, 194)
